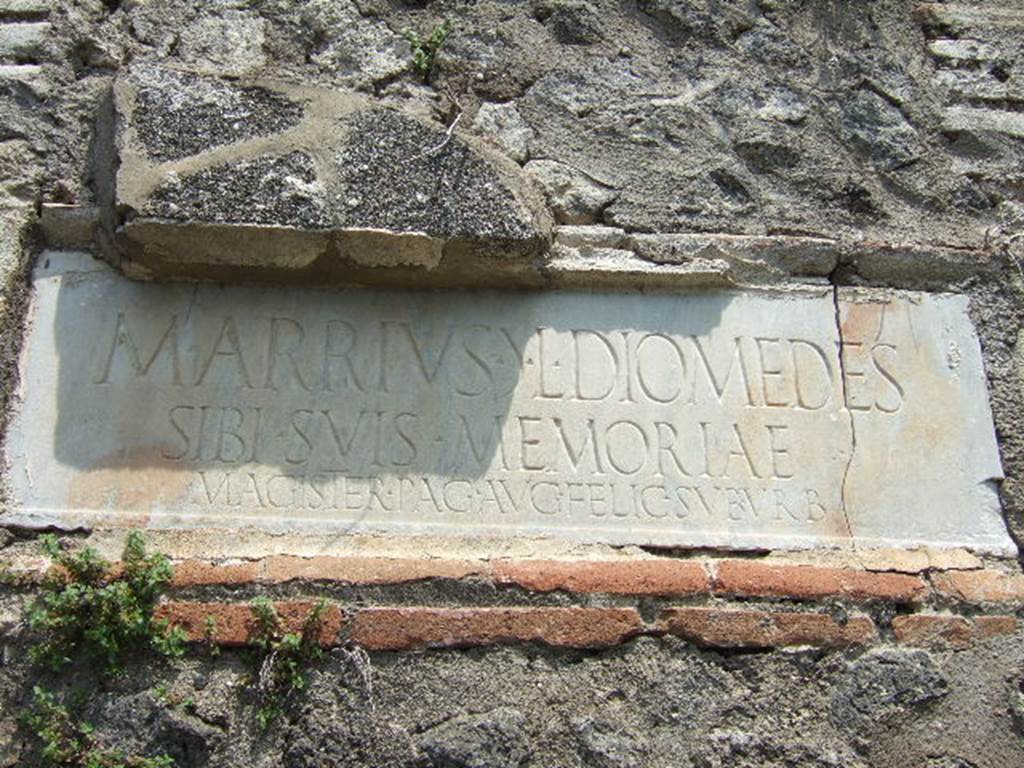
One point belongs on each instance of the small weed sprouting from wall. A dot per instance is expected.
(86, 608)
(67, 741)
(424, 50)
(283, 656)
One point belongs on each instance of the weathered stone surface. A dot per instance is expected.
(216, 176)
(23, 42)
(503, 124)
(603, 746)
(885, 684)
(358, 49)
(722, 419)
(575, 197)
(495, 739)
(230, 44)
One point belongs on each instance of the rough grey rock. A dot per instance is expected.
(400, 175)
(886, 683)
(230, 44)
(352, 48)
(1015, 697)
(10, 744)
(879, 130)
(174, 115)
(11, 615)
(266, 190)
(503, 124)
(573, 22)
(24, 42)
(742, 749)
(768, 44)
(718, 22)
(574, 196)
(950, 761)
(184, 738)
(602, 745)
(496, 739)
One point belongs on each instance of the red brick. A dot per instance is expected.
(188, 573)
(945, 630)
(368, 570)
(349, 570)
(993, 626)
(723, 628)
(933, 630)
(985, 586)
(742, 578)
(618, 577)
(235, 623)
(418, 628)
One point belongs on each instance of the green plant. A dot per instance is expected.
(210, 635)
(86, 607)
(7, 576)
(283, 657)
(68, 741)
(424, 50)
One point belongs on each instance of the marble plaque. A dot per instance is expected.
(730, 420)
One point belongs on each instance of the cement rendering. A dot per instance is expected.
(788, 419)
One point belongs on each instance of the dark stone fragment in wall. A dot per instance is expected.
(602, 745)
(267, 190)
(766, 155)
(573, 22)
(319, 741)
(733, 191)
(884, 684)
(400, 175)
(876, 128)
(969, 196)
(742, 749)
(145, 725)
(767, 44)
(178, 114)
(949, 761)
(1015, 696)
(496, 739)
(187, 740)
(720, 22)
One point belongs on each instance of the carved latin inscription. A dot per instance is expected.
(726, 420)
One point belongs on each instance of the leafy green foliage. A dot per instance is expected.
(85, 607)
(69, 742)
(424, 50)
(284, 656)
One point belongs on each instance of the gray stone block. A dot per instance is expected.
(23, 42)
(240, 180)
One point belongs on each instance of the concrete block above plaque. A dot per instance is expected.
(733, 420)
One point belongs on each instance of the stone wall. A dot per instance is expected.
(677, 147)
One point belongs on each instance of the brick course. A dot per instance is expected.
(741, 578)
(616, 577)
(724, 628)
(235, 623)
(711, 621)
(982, 586)
(945, 630)
(403, 629)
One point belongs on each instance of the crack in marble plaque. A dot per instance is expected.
(707, 420)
